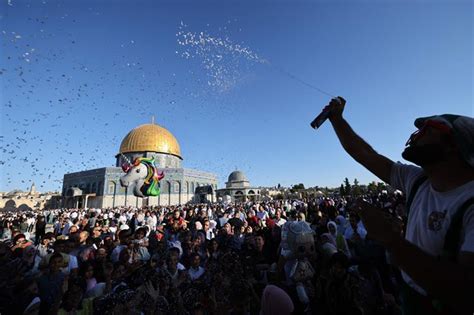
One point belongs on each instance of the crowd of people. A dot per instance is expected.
(195, 259)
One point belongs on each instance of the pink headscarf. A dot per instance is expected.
(275, 301)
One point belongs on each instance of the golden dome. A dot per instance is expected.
(150, 138)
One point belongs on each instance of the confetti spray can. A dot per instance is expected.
(323, 116)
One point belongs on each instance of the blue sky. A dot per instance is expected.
(76, 76)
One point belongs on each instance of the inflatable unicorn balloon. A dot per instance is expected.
(143, 173)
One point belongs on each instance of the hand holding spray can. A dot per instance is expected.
(324, 115)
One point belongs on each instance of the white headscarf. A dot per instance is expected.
(335, 228)
(341, 226)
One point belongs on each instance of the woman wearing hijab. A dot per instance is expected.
(275, 301)
(339, 239)
(341, 223)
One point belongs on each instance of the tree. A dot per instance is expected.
(356, 191)
(279, 196)
(381, 186)
(372, 187)
(299, 186)
(347, 187)
(342, 192)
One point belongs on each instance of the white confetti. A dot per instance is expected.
(222, 59)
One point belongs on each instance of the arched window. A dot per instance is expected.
(176, 187)
(163, 187)
(111, 188)
(239, 195)
(168, 184)
(185, 187)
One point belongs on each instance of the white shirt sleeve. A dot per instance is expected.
(467, 244)
(116, 254)
(403, 176)
(72, 263)
(362, 232)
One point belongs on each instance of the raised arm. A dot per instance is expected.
(360, 150)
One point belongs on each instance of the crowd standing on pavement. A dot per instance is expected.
(194, 259)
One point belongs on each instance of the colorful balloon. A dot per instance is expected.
(144, 176)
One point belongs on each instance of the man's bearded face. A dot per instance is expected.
(428, 146)
(425, 155)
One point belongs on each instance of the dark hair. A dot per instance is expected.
(124, 234)
(339, 258)
(70, 241)
(59, 242)
(55, 255)
(355, 216)
(83, 268)
(143, 230)
(49, 236)
(18, 236)
(174, 250)
(212, 240)
(193, 255)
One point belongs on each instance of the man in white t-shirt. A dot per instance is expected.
(208, 230)
(355, 231)
(262, 214)
(438, 280)
(279, 221)
(195, 271)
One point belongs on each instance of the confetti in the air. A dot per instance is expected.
(223, 60)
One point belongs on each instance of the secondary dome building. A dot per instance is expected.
(238, 189)
(101, 187)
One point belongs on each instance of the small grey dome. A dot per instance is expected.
(237, 176)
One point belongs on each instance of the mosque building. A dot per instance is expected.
(238, 189)
(100, 188)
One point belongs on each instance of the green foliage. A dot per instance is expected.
(372, 187)
(342, 191)
(298, 187)
(347, 187)
(381, 186)
(356, 191)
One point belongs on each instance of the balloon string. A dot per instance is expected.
(292, 76)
